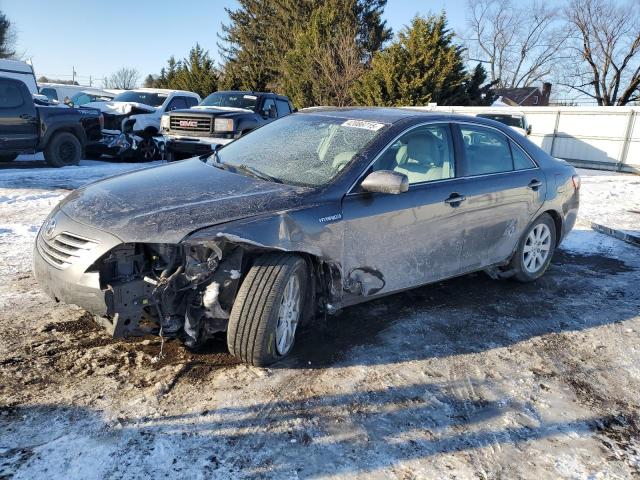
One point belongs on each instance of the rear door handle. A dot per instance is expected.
(455, 199)
(534, 184)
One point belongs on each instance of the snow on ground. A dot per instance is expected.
(611, 199)
(469, 378)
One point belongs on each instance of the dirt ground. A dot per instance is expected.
(469, 378)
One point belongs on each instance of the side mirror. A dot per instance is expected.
(529, 128)
(385, 181)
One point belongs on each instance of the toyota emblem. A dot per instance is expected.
(50, 227)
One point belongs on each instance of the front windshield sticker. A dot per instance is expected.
(250, 97)
(373, 126)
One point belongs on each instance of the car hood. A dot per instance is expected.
(120, 108)
(164, 204)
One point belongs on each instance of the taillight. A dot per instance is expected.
(576, 181)
(101, 120)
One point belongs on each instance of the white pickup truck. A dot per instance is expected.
(132, 121)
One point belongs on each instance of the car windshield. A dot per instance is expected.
(235, 100)
(300, 149)
(151, 99)
(510, 120)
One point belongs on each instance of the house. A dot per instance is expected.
(525, 96)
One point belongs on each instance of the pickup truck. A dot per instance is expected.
(29, 126)
(219, 119)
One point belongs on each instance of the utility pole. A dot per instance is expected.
(73, 76)
(90, 81)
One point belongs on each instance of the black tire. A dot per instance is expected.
(63, 150)
(8, 158)
(251, 333)
(517, 264)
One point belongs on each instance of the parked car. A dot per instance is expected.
(219, 119)
(20, 71)
(28, 127)
(132, 121)
(517, 121)
(61, 92)
(317, 211)
(90, 95)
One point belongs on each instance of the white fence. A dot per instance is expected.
(607, 138)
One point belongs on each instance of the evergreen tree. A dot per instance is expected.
(326, 58)
(6, 37)
(422, 65)
(261, 33)
(196, 73)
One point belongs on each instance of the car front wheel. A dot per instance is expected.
(268, 309)
(535, 250)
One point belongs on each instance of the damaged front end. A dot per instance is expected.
(184, 290)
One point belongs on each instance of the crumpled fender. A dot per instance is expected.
(315, 230)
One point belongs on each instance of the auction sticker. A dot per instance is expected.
(374, 126)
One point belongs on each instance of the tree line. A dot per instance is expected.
(342, 52)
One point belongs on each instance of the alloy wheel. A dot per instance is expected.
(536, 248)
(288, 316)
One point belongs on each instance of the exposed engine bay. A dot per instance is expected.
(183, 290)
(178, 290)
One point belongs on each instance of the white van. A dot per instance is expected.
(19, 70)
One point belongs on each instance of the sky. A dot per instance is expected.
(96, 38)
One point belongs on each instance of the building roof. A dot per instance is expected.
(518, 95)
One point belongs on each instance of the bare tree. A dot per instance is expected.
(520, 45)
(124, 79)
(605, 41)
(339, 65)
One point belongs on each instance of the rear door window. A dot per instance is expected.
(521, 160)
(283, 107)
(486, 150)
(10, 95)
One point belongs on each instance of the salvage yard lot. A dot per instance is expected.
(469, 378)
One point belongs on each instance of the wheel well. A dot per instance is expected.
(151, 131)
(324, 280)
(70, 130)
(557, 220)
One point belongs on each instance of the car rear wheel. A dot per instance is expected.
(535, 250)
(268, 309)
(63, 150)
(8, 158)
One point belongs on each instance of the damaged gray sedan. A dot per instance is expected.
(304, 216)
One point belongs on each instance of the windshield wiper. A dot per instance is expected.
(255, 173)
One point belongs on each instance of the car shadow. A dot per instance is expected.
(475, 313)
(344, 433)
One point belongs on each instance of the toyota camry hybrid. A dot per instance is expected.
(311, 213)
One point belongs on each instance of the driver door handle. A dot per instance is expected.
(534, 184)
(455, 199)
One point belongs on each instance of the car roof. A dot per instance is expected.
(164, 90)
(251, 92)
(390, 115)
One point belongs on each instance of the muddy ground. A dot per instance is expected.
(469, 378)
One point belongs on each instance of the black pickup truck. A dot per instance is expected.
(219, 119)
(28, 126)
